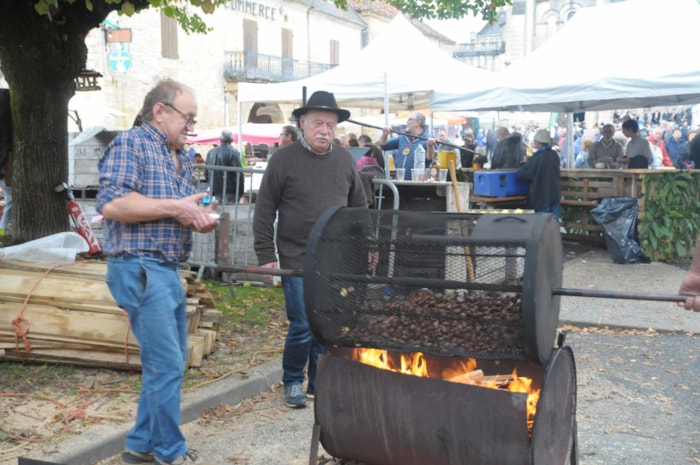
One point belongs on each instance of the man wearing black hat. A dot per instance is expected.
(301, 181)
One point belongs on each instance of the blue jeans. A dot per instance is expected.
(554, 209)
(301, 345)
(151, 293)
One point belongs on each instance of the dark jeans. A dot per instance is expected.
(554, 209)
(301, 346)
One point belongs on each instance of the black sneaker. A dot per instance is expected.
(131, 457)
(310, 392)
(189, 457)
(294, 396)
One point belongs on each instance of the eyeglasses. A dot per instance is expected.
(189, 121)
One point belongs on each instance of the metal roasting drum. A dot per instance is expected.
(449, 286)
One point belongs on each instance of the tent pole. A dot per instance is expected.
(386, 100)
(241, 149)
(570, 155)
(387, 173)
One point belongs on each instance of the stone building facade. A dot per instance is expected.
(256, 41)
(248, 41)
(520, 29)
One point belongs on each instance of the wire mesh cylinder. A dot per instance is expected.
(442, 283)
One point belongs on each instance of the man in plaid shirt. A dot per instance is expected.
(151, 207)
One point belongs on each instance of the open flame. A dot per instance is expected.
(463, 371)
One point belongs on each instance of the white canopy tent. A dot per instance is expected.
(620, 55)
(397, 71)
(614, 56)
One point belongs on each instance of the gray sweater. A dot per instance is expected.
(300, 186)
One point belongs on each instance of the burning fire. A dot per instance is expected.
(465, 371)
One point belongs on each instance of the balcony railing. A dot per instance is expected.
(480, 48)
(252, 66)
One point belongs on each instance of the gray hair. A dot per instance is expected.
(226, 136)
(165, 92)
(420, 117)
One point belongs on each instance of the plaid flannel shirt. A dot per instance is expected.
(139, 160)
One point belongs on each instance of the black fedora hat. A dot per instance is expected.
(324, 101)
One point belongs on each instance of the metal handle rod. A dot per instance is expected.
(630, 295)
(260, 270)
(359, 123)
(568, 292)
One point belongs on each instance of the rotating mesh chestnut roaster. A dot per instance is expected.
(447, 285)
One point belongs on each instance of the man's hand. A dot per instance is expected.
(430, 143)
(691, 286)
(189, 213)
(386, 132)
(272, 266)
